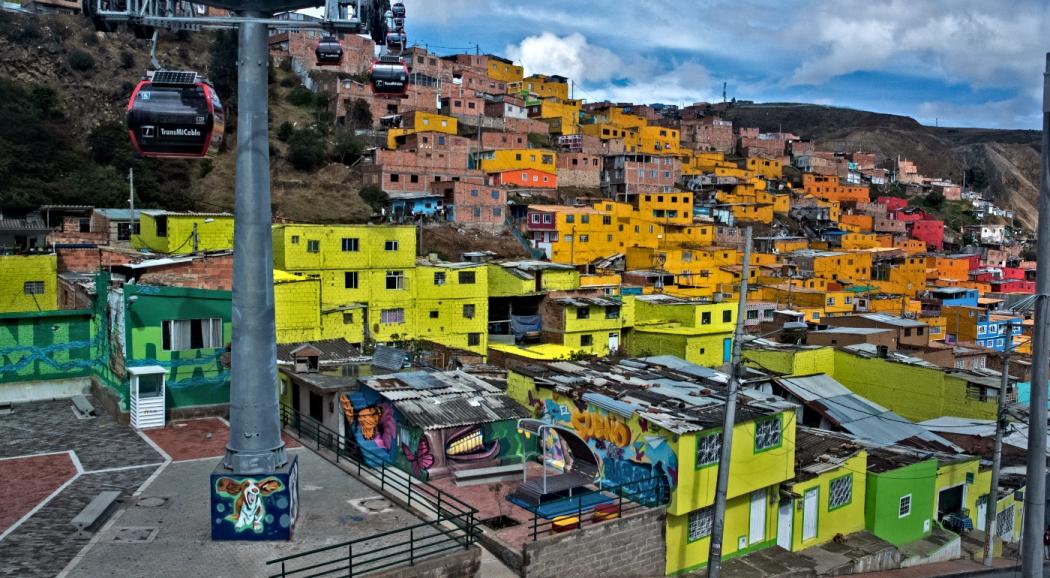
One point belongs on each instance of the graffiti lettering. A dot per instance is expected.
(601, 427)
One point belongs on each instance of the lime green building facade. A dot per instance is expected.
(28, 283)
(173, 233)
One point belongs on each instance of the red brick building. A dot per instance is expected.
(358, 51)
(472, 202)
(578, 169)
(630, 174)
(504, 140)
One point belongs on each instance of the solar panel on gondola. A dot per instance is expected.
(175, 114)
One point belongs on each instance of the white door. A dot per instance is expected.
(614, 342)
(758, 517)
(785, 523)
(809, 514)
(982, 513)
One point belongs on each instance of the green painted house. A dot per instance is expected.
(900, 494)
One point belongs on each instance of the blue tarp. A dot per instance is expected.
(522, 324)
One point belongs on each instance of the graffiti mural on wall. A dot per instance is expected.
(370, 427)
(640, 461)
(438, 452)
(255, 508)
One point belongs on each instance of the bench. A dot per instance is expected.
(94, 513)
(82, 407)
(472, 476)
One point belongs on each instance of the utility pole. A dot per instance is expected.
(714, 558)
(255, 445)
(1035, 492)
(131, 203)
(997, 455)
(195, 239)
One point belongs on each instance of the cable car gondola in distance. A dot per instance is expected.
(329, 51)
(389, 77)
(175, 114)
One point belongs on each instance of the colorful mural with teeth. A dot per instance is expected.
(432, 436)
(634, 457)
(255, 508)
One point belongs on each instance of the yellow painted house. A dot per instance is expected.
(421, 121)
(504, 70)
(699, 331)
(682, 432)
(451, 301)
(498, 161)
(174, 233)
(29, 283)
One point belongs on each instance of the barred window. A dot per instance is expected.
(841, 492)
(33, 288)
(708, 449)
(904, 509)
(768, 434)
(1004, 522)
(700, 523)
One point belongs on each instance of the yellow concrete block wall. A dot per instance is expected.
(348, 324)
(712, 317)
(391, 320)
(349, 247)
(297, 307)
(213, 233)
(452, 322)
(684, 555)
(845, 519)
(498, 161)
(504, 72)
(28, 283)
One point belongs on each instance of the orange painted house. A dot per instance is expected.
(526, 179)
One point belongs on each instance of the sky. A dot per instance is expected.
(971, 63)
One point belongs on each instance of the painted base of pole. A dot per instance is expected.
(255, 507)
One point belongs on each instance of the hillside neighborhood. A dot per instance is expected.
(557, 398)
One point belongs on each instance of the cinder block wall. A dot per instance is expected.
(634, 545)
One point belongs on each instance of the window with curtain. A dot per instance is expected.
(183, 334)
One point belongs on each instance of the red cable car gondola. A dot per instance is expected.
(175, 114)
(396, 41)
(329, 51)
(389, 77)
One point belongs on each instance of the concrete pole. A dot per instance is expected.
(1035, 491)
(714, 557)
(255, 444)
(997, 455)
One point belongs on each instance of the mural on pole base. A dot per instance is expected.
(255, 507)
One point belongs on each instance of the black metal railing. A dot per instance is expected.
(626, 498)
(449, 523)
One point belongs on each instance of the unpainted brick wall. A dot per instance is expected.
(634, 545)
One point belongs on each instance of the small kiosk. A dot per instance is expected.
(147, 396)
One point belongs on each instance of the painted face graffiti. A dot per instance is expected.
(248, 509)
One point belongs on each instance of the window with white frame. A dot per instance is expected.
(395, 279)
(700, 523)
(904, 507)
(390, 245)
(183, 334)
(841, 492)
(388, 316)
(33, 288)
(708, 449)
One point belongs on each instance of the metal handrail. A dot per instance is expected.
(387, 475)
(455, 524)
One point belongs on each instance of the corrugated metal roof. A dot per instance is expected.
(587, 301)
(388, 357)
(28, 223)
(892, 320)
(852, 330)
(332, 351)
(118, 214)
(868, 421)
(452, 411)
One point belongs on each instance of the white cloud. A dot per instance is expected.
(570, 56)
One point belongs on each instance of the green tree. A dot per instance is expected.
(307, 149)
(348, 147)
(223, 69)
(80, 61)
(977, 178)
(360, 114)
(285, 131)
(934, 200)
(374, 196)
